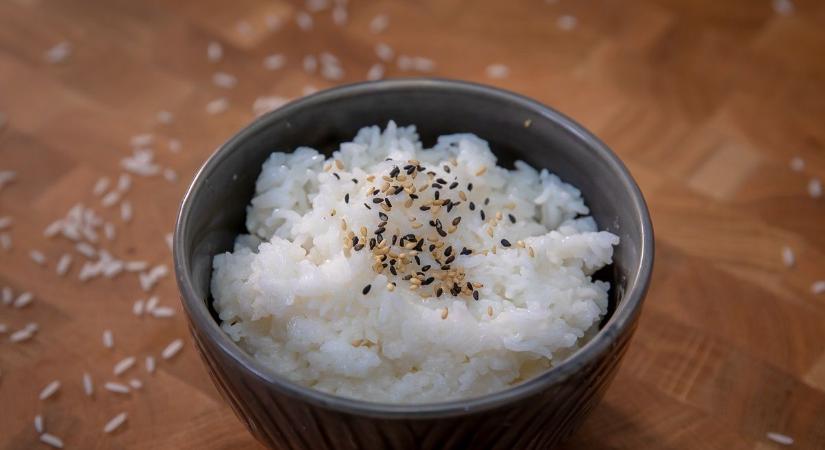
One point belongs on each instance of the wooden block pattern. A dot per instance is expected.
(706, 102)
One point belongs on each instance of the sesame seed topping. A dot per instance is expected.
(481, 171)
(366, 289)
(339, 164)
(475, 295)
(336, 175)
(512, 218)
(444, 313)
(346, 198)
(490, 311)
(505, 243)
(454, 185)
(377, 200)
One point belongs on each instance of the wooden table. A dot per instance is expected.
(706, 102)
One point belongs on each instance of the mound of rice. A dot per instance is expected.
(305, 299)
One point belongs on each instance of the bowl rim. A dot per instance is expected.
(623, 317)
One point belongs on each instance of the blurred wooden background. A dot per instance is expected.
(706, 101)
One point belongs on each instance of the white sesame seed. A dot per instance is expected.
(137, 308)
(50, 390)
(150, 364)
(162, 312)
(134, 383)
(780, 438)
(114, 423)
(818, 287)
(100, 186)
(142, 140)
(38, 257)
(63, 264)
(126, 211)
(38, 424)
(172, 349)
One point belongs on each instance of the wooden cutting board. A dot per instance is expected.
(707, 102)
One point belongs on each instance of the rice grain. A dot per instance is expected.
(172, 349)
(114, 423)
(117, 388)
(51, 440)
(88, 386)
(50, 390)
(123, 365)
(780, 438)
(108, 339)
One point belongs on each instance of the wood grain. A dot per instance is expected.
(706, 101)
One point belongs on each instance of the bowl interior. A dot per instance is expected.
(516, 128)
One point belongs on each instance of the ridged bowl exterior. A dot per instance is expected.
(534, 415)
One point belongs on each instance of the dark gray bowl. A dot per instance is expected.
(535, 414)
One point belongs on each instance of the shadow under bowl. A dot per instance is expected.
(535, 414)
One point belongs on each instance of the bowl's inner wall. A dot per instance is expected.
(218, 206)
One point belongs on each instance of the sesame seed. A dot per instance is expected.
(336, 175)
(456, 221)
(371, 178)
(531, 252)
(416, 225)
(466, 251)
(441, 181)
(425, 268)
(390, 287)
(339, 164)
(395, 171)
(445, 313)
(358, 247)
(483, 216)
(481, 171)
(439, 292)
(366, 289)
(355, 181)
(346, 198)
(512, 218)
(377, 200)
(343, 224)
(436, 195)
(387, 201)
(475, 295)
(367, 206)
(490, 311)
(505, 243)
(385, 207)
(363, 230)
(462, 195)
(332, 213)
(472, 206)
(454, 185)
(486, 201)
(498, 215)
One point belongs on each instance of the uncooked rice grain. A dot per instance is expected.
(50, 389)
(142, 140)
(150, 364)
(88, 386)
(63, 264)
(164, 117)
(6, 178)
(797, 164)
(59, 53)
(304, 21)
(263, 105)
(274, 62)
(85, 249)
(162, 312)
(23, 334)
(8, 295)
(114, 423)
(110, 199)
(214, 51)
(244, 28)
(38, 423)
(780, 438)
(375, 72)
(273, 22)
(818, 287)
(135, 266)
(384, 52)
(174, 145)
(379, 23)
(23, 299)
(788, 257)
(339, 15)
(135, 383)
(126, 211)
(5, 222)
(38, 257)
(124, 182)
(224, 80)
(567, 22)
(117, 388)
(108, 339)
(109, 231)
(172, 349)
(169, 174)
(497, 71)
(152, 303)
(815, 188)
(123, 365)
(309, 63)
(137, 308)
(100, 186)
(783, 7)
(217, 106)
(5, 241)
(52, 440)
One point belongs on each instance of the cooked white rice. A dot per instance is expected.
(292, 292)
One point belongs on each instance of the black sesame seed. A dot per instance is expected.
(450, 259)
(383, 223)
(466, 251)
(414, 196)
(366, 289)
(420, 245)
(355, 181)
(394, 172)
(392, 262)
(367, 206)
(398, 189)
(441, 232)
(383, 216)
(377, 200)
(431, 173)
(346, 198)
(475, 295)
(379, 238)
(387, 201)
(433, 223)
(445, 267)
(380, 230)
(372, 243)
(472, 206)
(392, 270)
(424, 208)
(439, 292)
(436, 195)
(512, 218)
(406, 277)
(437, 186)
(428, 281)
(358, 247)
(417, 260)
(420, 168)
(450, 205)
(441, 181)
(470, 186)
(456, 221)
(487, 201)
(469, 286)
(432, 247)
(375, 191)
(394, 239)
(448, 250)
(454, 185)
(505, 243)
(384, 265)
(336, 175)
(425, 268)
(410, 237)
(483, 216)
(446, 168)
(354, 241)
(383, 258)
